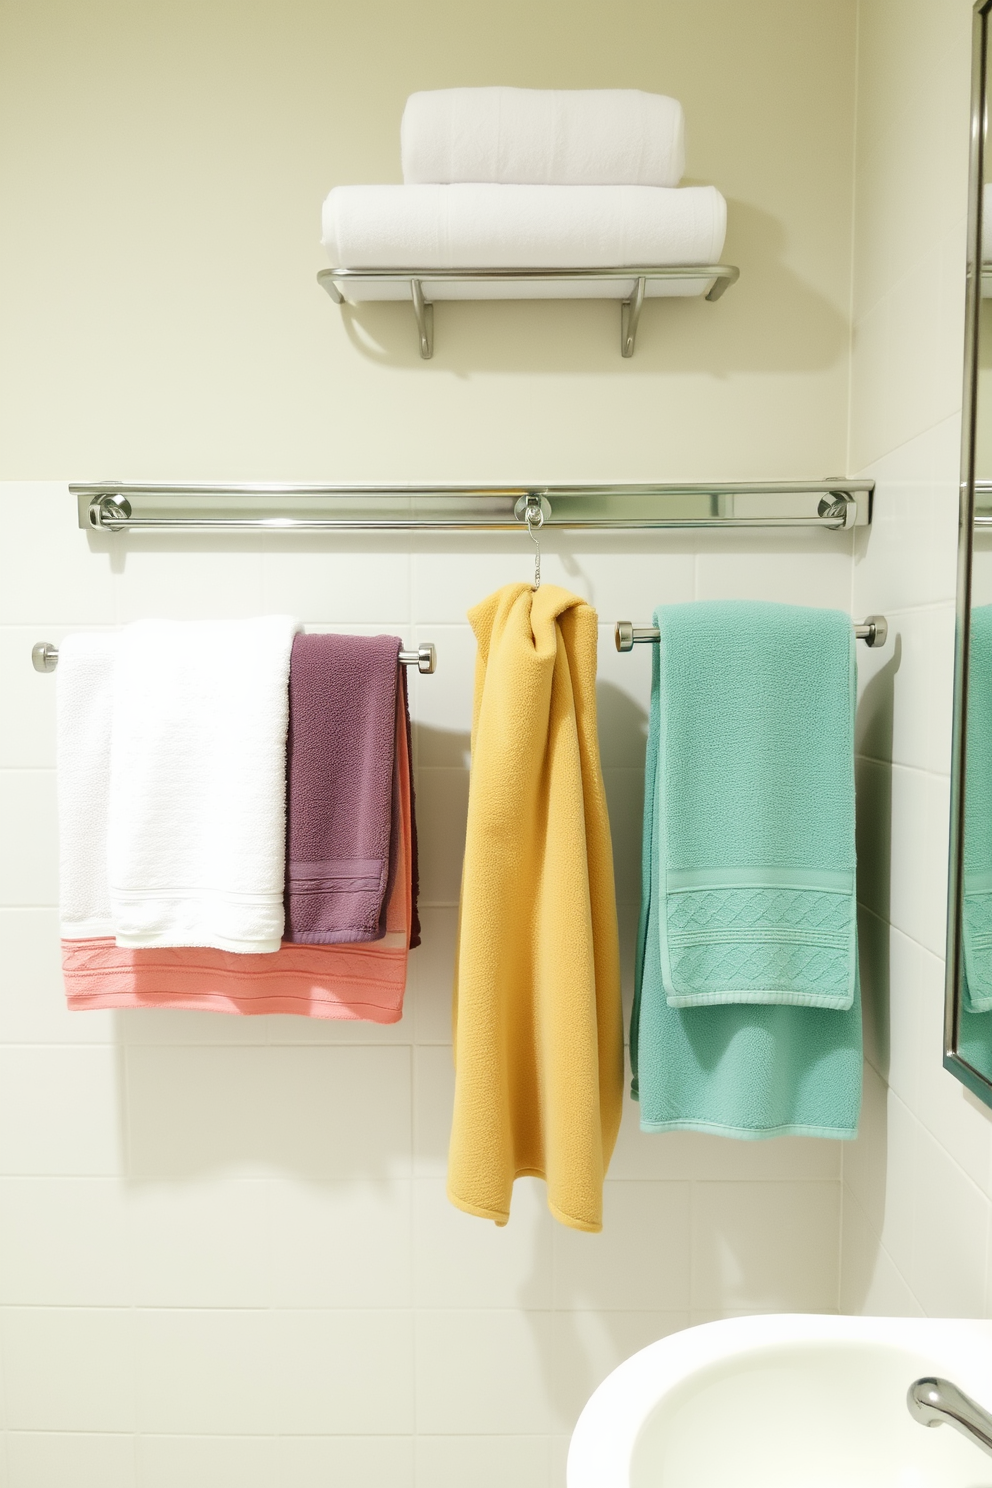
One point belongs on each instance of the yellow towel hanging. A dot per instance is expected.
(538, 1026)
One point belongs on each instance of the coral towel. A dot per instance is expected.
(197, 830)
(538, 1034)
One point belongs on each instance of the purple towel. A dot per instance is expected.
(340, 766)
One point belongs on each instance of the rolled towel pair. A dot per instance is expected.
(520, 178)
(543, 137)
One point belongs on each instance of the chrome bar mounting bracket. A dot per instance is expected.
(630, 314)
(424, 311)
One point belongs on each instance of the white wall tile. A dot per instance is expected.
(623, 696)
(83, 1459)
(442, 810)
(60, 1110)
(341, 1244)
(764, 1246)
(291, 1373)
(343, 1372)
(203, 1372)
(950, 1236)
(207, 1462)
(200, 1243)
(484, 1373)
(640, 1259)
(483, 1461)
(441, 703)
(65, 1242)
(28, 737)
(54, 573)
(625, 802)
(864, 1159)
(28, 875)
(69, 1368)
(324, 1112)
(765, 565)
(32, 999)
(430, 980)
(330, 580)
(463, 1261)
(871, 1283)
(358, 1461)
(433, 1101)
(219, 582)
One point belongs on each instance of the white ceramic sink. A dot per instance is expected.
(790, 1401)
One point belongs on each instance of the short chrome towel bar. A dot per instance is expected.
(45, 657)
(874, 632)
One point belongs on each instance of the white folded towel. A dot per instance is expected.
(197, 831)
(84, 691)
(540, 136)
(496, 227)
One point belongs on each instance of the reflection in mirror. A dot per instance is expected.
(968, 1043)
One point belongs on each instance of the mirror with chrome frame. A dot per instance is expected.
(968, 1007)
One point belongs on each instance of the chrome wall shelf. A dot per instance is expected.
(829, 505)
(630, 285)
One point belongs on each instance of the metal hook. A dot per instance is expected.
(533, 509)
(535, 521)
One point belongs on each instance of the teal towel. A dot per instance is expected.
(734, 1069)
(754, 827)
(976, 898)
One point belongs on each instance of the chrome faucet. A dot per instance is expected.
(933, 1401)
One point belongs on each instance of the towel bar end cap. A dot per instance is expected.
(878, 630)
(44, 656)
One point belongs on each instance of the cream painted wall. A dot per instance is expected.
(161, 173)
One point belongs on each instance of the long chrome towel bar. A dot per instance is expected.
(834, 504)
(45, 657)
(874, 632)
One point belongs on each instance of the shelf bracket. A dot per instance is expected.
(424, 311)
(630, 314)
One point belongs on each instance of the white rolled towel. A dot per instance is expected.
(543, 137)
(84, 692)
(197, 819)
(530, 227)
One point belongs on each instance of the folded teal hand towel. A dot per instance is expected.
(754, 827)
(745, 1068)
(976, 912)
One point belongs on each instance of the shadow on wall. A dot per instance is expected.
(771, 321)
(874, 817)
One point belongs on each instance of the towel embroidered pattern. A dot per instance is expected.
(760, 940)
